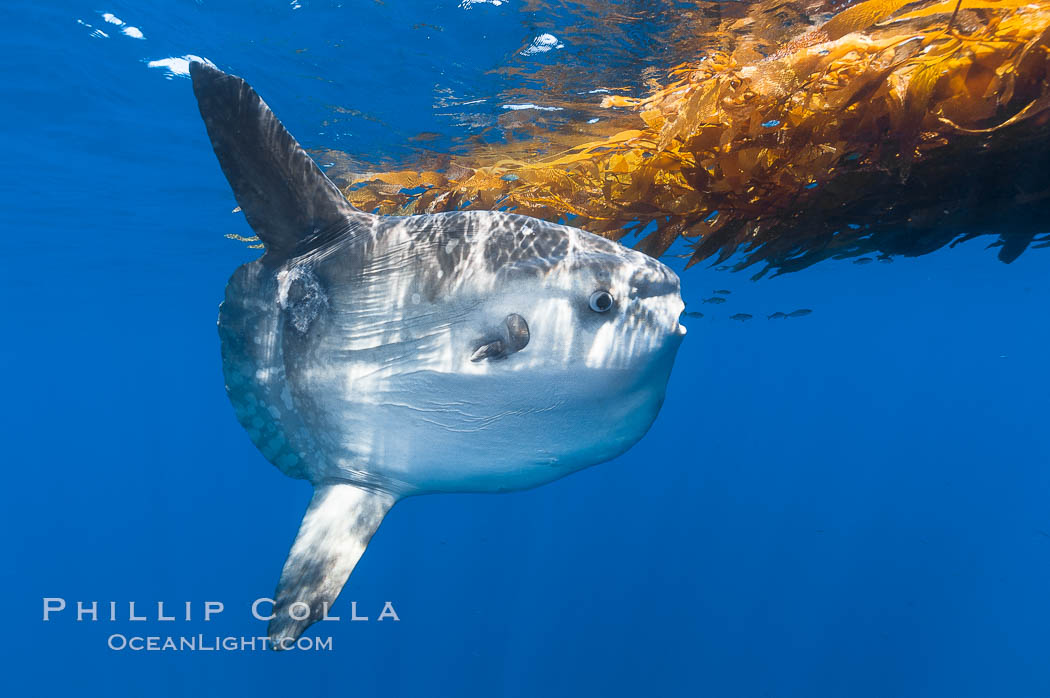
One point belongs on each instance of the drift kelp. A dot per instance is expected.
(874, 131)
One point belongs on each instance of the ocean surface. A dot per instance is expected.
(853, 502)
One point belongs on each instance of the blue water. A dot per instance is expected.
(852, 503)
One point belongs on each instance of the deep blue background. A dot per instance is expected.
(850, 503)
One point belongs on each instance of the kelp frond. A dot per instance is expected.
(870, 131)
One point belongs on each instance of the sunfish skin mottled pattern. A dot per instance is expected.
(381, 357)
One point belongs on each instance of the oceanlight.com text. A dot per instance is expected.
(213, 643)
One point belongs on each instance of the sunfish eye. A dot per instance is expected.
(601, 301)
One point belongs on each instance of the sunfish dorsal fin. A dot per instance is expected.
(284, 194)
(334, 533)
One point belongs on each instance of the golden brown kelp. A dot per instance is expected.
(891, 127)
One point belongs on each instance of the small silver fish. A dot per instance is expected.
(777, 315)
(722, 292)
(742, 317)
(714, 300)
(801, 312)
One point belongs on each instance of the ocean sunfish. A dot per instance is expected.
(381, 357)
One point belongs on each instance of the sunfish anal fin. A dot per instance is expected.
(285, 196)
(334, 533)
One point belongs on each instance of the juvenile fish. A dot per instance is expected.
(801, 312)
(742, 317)
(777, 315)
(715, 300)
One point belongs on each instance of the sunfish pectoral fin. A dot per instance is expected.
(515, 337)
(284, 194)
(334, 533)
